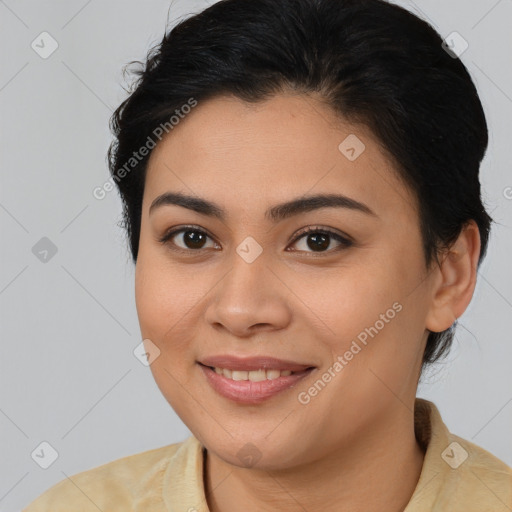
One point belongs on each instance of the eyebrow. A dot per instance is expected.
(276, 213)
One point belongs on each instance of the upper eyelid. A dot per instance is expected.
(320, 229)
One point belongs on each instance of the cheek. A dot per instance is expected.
(159, 310)
(146, 299)
(167, 301)
(354, 300)
(371, 313)
(157, 297)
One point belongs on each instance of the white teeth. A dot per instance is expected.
(273, 374)
(253, 375)
(257, 375)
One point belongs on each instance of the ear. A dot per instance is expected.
(453, 288)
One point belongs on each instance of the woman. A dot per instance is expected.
(301, 195)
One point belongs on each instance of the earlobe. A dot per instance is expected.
(456, 280)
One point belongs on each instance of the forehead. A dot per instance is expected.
(270, 151)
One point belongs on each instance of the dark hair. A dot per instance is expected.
(372, 62)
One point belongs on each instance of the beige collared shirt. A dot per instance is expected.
(457, 476)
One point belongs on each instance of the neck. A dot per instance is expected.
(377, 472)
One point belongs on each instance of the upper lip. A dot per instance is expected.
(253, 363)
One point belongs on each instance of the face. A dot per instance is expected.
(348, 299)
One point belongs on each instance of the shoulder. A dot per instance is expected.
(457, 475)
(480, 474)
(112, 486)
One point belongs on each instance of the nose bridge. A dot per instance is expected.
(249, 293)
(248, 270)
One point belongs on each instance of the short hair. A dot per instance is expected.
(370, 61)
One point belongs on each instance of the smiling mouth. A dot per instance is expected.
(252, 387)
(259, 375)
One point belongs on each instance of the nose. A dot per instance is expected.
(250, 298)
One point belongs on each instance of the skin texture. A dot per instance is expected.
(353, 443)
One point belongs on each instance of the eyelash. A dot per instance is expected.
(345, 242)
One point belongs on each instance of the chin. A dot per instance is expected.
(253, 452)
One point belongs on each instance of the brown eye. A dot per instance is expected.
(194, 239)
(319, 240)
(187, 238)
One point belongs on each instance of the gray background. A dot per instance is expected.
(68, 375)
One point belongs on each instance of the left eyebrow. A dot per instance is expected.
(275, 213)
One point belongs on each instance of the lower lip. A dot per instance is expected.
(248, 392)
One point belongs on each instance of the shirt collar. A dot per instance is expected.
(434, 436)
